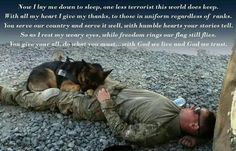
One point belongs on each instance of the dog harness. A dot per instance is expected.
(63, 73)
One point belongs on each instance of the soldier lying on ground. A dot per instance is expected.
(153, 119)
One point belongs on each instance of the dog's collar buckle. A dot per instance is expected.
(67, 75)
(61, 73)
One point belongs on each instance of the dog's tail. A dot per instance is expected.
(58, 55)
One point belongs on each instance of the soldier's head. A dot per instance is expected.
(198, 122)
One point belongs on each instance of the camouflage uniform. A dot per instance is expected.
(225, 127)
(139, 116)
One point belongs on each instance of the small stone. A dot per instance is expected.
(10, 149)
(60, 116)
(71, 132)
(97, 124)
(34, 129)
(60, 143)
(15, 130)
(71, 144)
(6, 115)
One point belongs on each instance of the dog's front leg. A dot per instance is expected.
(70, 86)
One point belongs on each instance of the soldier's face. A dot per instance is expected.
(190, 121)
(193, 120)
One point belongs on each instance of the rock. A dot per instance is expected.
(5, 115)
(71, 144)
(60, 143)
(71, 132)
(33, 129)
(10, 149)
(97, 124)
(58, 115)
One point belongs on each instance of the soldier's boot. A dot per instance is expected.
(7, 96)
(223, 136)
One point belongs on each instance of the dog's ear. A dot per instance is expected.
(106, 73)
(97, 66)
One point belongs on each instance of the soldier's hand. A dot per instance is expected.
(103, 95)
(188, 141)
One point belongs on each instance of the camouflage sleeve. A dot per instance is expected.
(141, 133)
(113, 86)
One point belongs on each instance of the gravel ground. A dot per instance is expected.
(196, 78)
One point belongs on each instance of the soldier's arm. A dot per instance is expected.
(140, 133)
(112, 86)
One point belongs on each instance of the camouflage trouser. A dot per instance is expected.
(81, 106)
(225, 128)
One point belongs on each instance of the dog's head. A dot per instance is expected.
(92, 76)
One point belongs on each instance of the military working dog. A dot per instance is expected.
(68, 76)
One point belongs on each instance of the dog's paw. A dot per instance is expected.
(71, 88)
